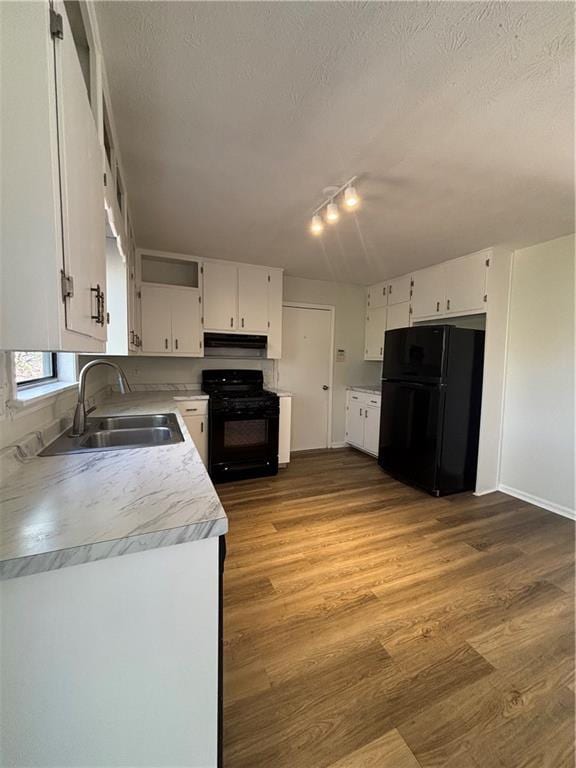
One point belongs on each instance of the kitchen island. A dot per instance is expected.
(111, 600)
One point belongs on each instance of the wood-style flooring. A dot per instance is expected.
(368, 625)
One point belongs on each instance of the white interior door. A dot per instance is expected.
(253, 299)
(305, 371)
(156, 319)
(220, 296)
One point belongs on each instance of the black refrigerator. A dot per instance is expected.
(431, 399)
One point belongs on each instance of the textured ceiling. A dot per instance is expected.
(232, 118)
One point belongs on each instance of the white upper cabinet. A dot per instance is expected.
(171, 321)
(455, 287)
(53, 218)
(243, 298)
(377, 295)
(375, 330)
(220, 296)
(253, 299)
(466, 283)
(171, 304)
(399, 289)
(82, 194)
(186, 322)
(156, 319)
(398, 316)
(429, 292)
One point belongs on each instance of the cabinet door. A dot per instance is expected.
(197, 426)
(186, 321)
(399, 289)
(375, 330)
(428, 292)
(252, 299)
(398, 316)
(82, 179)
(371, 429)
(377, 295)
(156, 319)
(355, 422)
(284, 429)
(466, 284)
(220, 296)
(275, 315)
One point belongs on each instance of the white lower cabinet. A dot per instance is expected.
(363, 420)
(195, 415)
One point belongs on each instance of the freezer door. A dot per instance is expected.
(410, 425)
(417, 353)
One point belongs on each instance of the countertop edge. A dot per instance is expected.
(29, 565)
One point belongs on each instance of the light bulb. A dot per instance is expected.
(351, 199)
(332, 213)
(316, 225)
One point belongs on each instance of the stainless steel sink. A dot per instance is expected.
(136, 422)
(112, 433)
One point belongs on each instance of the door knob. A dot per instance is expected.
(325, 387)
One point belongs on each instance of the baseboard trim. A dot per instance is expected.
(558, 509)
(485, 493)
(339, 445)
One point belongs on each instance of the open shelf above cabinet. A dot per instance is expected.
(169, 271)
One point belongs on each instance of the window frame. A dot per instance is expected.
(30, 383)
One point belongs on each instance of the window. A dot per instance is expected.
(35, 367)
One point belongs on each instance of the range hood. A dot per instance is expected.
(234, 345)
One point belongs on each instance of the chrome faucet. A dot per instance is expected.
(79, 423)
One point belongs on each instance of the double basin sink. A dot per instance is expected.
(112, 433)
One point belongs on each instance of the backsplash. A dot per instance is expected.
(145, 373)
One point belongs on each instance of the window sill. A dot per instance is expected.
(34, 395)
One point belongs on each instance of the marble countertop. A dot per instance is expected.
(65, 510)
(370, 390)
(279, 392)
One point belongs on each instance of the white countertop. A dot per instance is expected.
(368, 389)
(66, 510)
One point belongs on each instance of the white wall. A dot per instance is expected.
(350, 304)
(19, 420)
(538, 457)
(143, 372)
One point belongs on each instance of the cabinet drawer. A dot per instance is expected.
(364, 398)
(193, 407)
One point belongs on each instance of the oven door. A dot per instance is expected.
(242, 444)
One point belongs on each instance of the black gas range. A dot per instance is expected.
(243, 422)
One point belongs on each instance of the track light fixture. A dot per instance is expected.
(332, 213)
(316, 226)
(351, 201)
